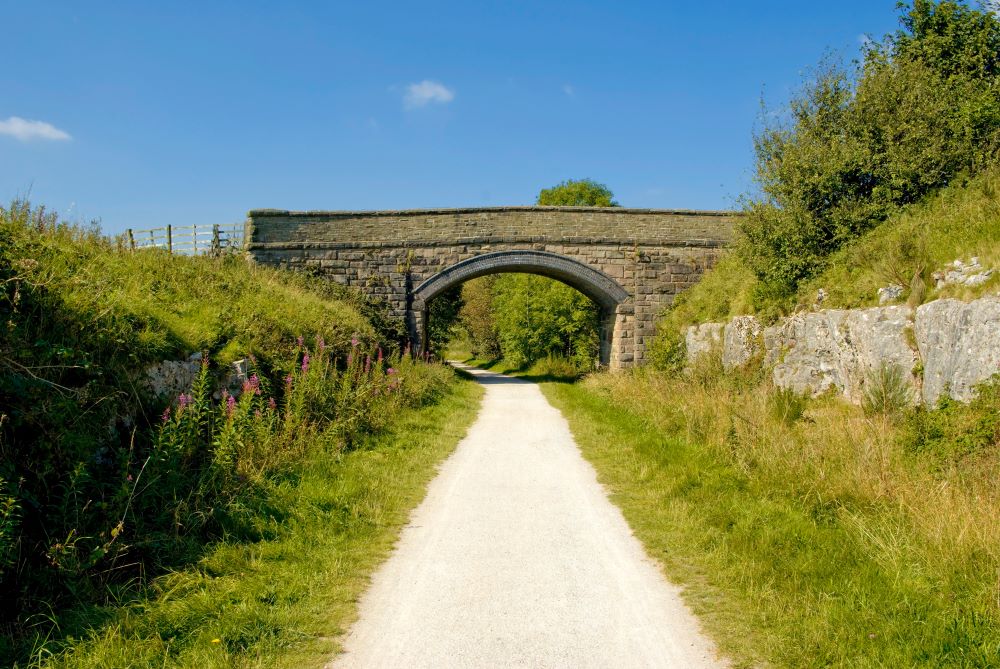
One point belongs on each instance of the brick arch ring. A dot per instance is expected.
(612, 299)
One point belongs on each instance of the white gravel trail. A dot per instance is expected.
(516, 558)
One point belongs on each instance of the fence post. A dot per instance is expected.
(152, 239)
(194, 239)
(170, 239)
(131, 240)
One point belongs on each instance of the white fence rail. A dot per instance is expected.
(188, 239)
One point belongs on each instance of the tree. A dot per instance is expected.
(582, 193)
(922, 109)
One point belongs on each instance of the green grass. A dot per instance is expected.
(959, 222)
(800, 543)
(282, 602)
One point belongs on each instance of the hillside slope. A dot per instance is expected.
(101, 483)
(958, 223)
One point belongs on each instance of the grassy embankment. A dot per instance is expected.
(261, 509)
(959, 222)
(281, 602)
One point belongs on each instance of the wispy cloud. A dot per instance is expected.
(26, 131)
(568, 90)
(427, 92)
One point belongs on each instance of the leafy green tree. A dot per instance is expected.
(442, 316)
(477, 318)
(536, 316)
(922, 109)
(582, 193)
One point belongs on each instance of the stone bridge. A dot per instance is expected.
(630, 262)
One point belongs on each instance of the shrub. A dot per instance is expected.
(923, 108)
(886, 391)
(786, 406)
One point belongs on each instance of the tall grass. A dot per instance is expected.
(834, 539)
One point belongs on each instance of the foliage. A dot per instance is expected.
(442, 317)
(577, 193)
(830, 540)
(960, 222)
(923, 109)
(955, 433)
(786, 406)
(886, 392)
(98, 490)
(532, 317)
(275, 602)
(477, 319)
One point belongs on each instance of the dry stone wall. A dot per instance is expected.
(944, 347)
(651, 254)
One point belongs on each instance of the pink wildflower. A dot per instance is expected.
(182, 401)
(257, 413)
(166, 415)
(354, 342)
(252, 385)
(305, 362)
(368, 363)
(288, 381)
(230, 406)
(350, 359)
(321, 344)
(380, 354)
(300, 341)
(271, 404)
(390, 371)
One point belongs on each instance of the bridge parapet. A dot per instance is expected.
(650, 255)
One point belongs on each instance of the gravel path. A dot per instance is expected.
(516, 558)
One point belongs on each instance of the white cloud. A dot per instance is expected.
(568, 90)
(26, 130)
(427, 92)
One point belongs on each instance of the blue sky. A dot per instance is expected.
(197, 112)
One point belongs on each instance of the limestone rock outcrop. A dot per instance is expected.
(741, 341)
(960, 346)
(840, 349)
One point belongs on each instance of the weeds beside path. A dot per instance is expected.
(281, 602)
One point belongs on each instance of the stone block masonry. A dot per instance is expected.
(631, 262)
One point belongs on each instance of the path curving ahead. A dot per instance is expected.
(516, 558)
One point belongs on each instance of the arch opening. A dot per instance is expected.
(612, 300)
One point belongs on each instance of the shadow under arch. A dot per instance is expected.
(612, 299)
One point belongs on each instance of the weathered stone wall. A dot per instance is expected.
(651, 254)
(942, 347)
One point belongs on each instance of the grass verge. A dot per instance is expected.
(812, 538)
(283, 601)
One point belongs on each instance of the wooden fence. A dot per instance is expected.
(188, 239)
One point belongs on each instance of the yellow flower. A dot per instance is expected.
(216, 641)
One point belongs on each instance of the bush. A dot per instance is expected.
(786, 406)
(886, 391)
(954, 431)
(923, 109)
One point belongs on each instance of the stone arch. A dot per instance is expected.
(612, 299)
